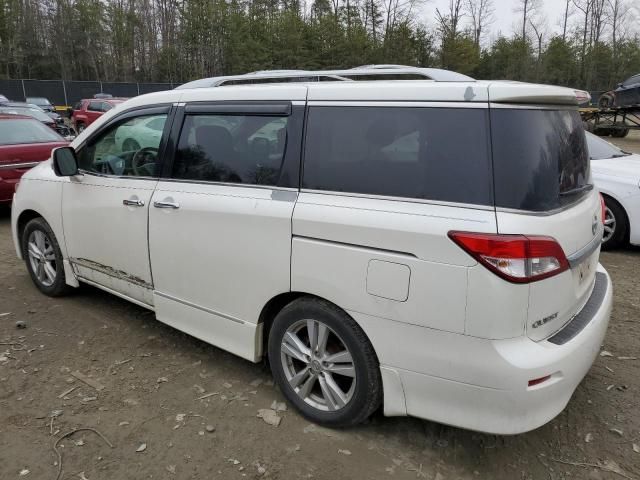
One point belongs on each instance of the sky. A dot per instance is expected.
(505, 19)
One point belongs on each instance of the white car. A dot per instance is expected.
(616, 173)
(394, 244)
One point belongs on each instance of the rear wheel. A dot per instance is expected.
(616, 225)
(43, 258)
(324, 364)
(620, 133)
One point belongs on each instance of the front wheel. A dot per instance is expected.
(43, 258)
(324, 364)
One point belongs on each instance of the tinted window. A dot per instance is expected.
(231, 148)
(95, 106)
(257, 81)
(129, 148)
(18, 131)
(426, 153)
(540, 158)
(600, 149)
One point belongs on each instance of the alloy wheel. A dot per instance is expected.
(609, 225)
(318, 365)
(42, 257)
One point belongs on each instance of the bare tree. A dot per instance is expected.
(481, 14)
(527, 8)
(538, 25)
(450, 22)
(565, 18)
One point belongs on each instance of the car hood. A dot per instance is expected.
(626, 167)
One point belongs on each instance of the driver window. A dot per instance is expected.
(127, 149)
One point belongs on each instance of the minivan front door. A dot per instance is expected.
(105, 209)
(220, 224)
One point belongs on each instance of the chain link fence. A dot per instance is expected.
(69, 92)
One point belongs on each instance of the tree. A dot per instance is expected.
(481, 14)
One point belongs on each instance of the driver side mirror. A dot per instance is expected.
(65, 162)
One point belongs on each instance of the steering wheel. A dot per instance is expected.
(143, 162)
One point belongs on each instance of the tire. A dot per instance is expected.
(50, 281)
(361, 394)
(620, 133)
(603, 132)
(616, 225)
(605, 102)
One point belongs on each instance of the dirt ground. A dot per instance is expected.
(151, 411)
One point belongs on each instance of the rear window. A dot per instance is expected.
(13, 132)
(540, 158)
(439, 154)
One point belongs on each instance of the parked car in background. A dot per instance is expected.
(21, 108)
(392, 259)
(87, 111)
(42, 102)
(3, 99)
(616, 173)
(626, 95)
(24, 142)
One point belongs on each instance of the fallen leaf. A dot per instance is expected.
(141, 448)
(588, 437)
(24, 472)
(344, 452)
(605, 353)
(636, 448)
(616, 430)
(269, 416)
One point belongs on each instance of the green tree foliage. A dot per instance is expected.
(179, 40)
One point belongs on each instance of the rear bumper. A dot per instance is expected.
(483, 384)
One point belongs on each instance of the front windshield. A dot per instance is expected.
(600, 149)
(25, 130)
(38, 101)
(31, 112)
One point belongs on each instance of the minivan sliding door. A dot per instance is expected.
(220, 219)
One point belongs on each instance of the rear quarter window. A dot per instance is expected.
(540, 158)
(439, 154)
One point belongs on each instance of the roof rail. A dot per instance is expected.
(365, 72)
(375, 66)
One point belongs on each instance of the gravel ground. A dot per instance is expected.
(152, 379)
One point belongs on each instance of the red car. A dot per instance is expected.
(24, 142)
(87, 111)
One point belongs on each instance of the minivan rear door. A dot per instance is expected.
(543, 187)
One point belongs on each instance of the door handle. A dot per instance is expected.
(133, 203)
(173, 205)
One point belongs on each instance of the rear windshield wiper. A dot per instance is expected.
(573, 191)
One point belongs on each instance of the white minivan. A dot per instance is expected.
(428, 247)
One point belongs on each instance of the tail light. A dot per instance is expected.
(516, 258)
(603, 208)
